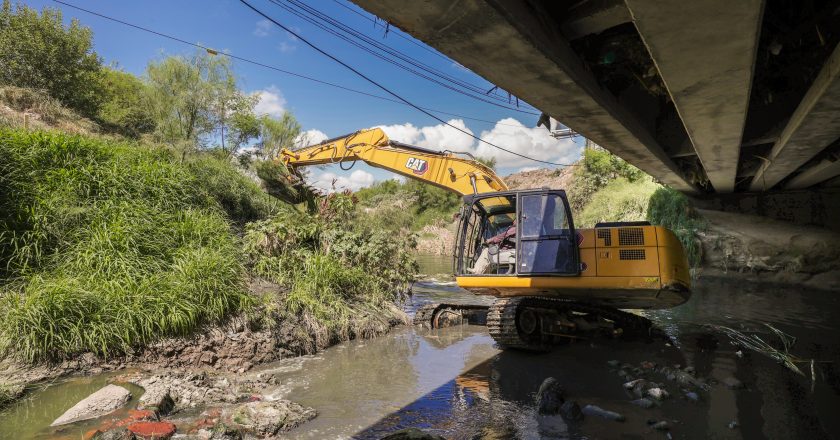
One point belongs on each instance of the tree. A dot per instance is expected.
(39, 52)
(278, 134)
(195, 100)
(243, 126)
(124, 108)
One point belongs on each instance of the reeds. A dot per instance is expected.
(106, 246)
(782, 355)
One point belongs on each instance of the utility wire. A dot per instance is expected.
(330, 28)
(399, 34)
(340, 26)
(277, 69)
(400, 101)
(387, 90)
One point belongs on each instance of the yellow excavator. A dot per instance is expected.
(552, 282)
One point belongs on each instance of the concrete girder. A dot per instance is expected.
(593, 17)
(705, 53)
(813, 126)
(816, 174)
(522, 51)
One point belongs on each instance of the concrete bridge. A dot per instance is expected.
(736, 103)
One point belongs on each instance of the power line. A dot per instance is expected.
(458, 87)
(336, 24)
(387, 90)
(277, 69)
(399, 34)
(401, 101)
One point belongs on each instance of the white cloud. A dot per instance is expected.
(271, 102)
(526, 169)
(437, 137)
(310, 137)
(535, 142)
(508, 133)
(330, 182)
(263, 28)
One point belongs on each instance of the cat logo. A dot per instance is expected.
(417, 166)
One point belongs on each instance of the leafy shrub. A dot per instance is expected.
(124, 108)
(67, 66)
(598, 168)
(672, 209)
(113, 245)
(341, 276)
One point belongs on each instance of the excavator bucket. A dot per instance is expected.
(286, 185)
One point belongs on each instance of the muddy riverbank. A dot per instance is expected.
(454, 382)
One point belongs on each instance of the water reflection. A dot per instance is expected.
(495, 397)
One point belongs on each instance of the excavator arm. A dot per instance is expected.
(445, 169)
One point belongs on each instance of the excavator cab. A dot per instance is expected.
(544, 242)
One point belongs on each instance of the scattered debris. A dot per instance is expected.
(152, 430)
(756, 343)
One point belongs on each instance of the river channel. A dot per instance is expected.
(454, 382)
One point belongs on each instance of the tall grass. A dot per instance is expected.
(619, 200)
(107, 246)
(672, 209)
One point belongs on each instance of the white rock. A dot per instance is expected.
(104, 401)
(657, 393)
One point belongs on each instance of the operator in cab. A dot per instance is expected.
(505, 242)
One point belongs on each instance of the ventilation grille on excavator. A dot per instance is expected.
(631, 254)
(606, 236)
(631, 237)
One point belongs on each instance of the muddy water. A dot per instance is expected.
(456, 383)
(31, 417)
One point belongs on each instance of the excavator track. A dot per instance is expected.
(438, 315)
(505, 316)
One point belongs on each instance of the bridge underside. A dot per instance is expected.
(725, 101)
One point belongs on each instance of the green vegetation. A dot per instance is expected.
(395, 205)
(107, 246)
(67, 67)
(670, 208)
(123, 108)
(343, 276)
(619, 200)
(598, 168)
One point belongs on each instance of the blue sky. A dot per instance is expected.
(230, 26)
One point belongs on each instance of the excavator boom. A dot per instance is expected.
(456, 172)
